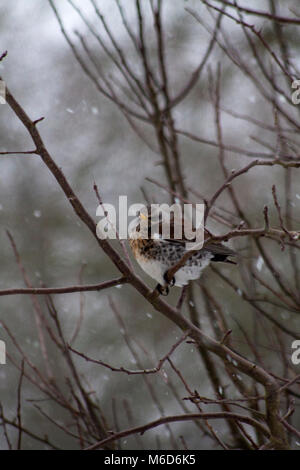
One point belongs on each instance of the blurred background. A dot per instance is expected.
(92, 141)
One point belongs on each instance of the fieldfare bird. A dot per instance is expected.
(156, 254)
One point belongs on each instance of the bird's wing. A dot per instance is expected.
(214, 248)
(219, 249)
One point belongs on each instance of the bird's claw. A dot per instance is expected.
(170, 283)
(163, 290)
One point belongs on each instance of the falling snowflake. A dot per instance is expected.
(95, 110)
(259, 263)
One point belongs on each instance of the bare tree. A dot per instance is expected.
(255, 396)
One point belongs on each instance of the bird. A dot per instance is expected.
(156, 254)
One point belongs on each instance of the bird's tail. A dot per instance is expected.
(221, 253)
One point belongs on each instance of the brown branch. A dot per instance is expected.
(284, 160)
(19, 416)
(197, 72)
(13, 424)
(257, 33)
(186, 417)
(25, 152)
(38, 314)
(65, 290)
(3, 55)
(235, 173)
(277, 205)
(263, 14)
(133, 372)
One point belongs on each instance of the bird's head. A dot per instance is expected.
(156, 223)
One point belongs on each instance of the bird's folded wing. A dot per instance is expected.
(219, 249)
